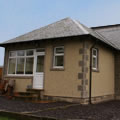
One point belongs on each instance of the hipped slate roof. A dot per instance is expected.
(111, 32)
(63, 28)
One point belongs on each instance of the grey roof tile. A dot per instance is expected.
(110, 33)
(63, 28)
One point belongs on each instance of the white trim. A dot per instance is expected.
(16, 57)
(35, 53)
(36, 74)
(8, 66)
(58, 54)
(20, 75)
(81, 27)
(96, 59)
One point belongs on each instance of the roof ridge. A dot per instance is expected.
(105, 26)
(80, 26)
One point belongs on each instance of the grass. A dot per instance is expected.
(6, 118)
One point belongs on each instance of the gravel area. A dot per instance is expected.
(21, 106)
(63, 110)
(102, 111)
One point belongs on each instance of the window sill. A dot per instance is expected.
(18, 76)
(57, 69)
(95, 70)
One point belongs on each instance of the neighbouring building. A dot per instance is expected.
(66, 61)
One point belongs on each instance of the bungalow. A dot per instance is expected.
(66, 61)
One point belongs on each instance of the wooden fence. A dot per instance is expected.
(1, 73)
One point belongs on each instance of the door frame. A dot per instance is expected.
(36, 54)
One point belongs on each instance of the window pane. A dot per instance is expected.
(94, 63)
(59, 50)
(58, 60)
(12, 54)
(12, 63)
(40, 64)
(95, 52)
(20, 53)
(20, 66)
(29, 66)
(29, 53)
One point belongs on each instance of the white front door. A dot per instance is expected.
(39, 71)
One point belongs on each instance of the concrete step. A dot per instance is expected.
(34, 90)
(28, 93)
(26, 98)
(40, 92)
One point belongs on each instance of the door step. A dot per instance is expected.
(33, 90)
(27, 93)
(27, 96)
(39, 92)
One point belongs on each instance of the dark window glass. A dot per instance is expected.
(12, 64)
(58, 60)
(20, 66)
(29, 53)
(20, 53)
(40, 64)
(29, 66)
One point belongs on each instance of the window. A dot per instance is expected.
(29, 65)
(40, 64)
(95, 59)
(20, 65)
(21, 62)
(29, 52)
(12, 63)
(20, 53)
(58, 61)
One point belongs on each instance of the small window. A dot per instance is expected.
(12, 63)
(58, 57)
(29, 65)
(21, 53)
(20, 66)
(95, 59)
(12, 54)
(29, 52)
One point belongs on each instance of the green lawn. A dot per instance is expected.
(6, 118)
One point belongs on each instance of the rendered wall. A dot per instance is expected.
(103, 79)
(64, 82)
(56, 82)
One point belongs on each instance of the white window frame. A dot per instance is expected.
(95, 57)
(58, 54)
(25, 56)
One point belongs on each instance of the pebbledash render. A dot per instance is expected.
(66, 61)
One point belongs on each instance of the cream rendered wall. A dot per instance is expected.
(103, 80)
(56, 82)
(20, 83)
(63, 82)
